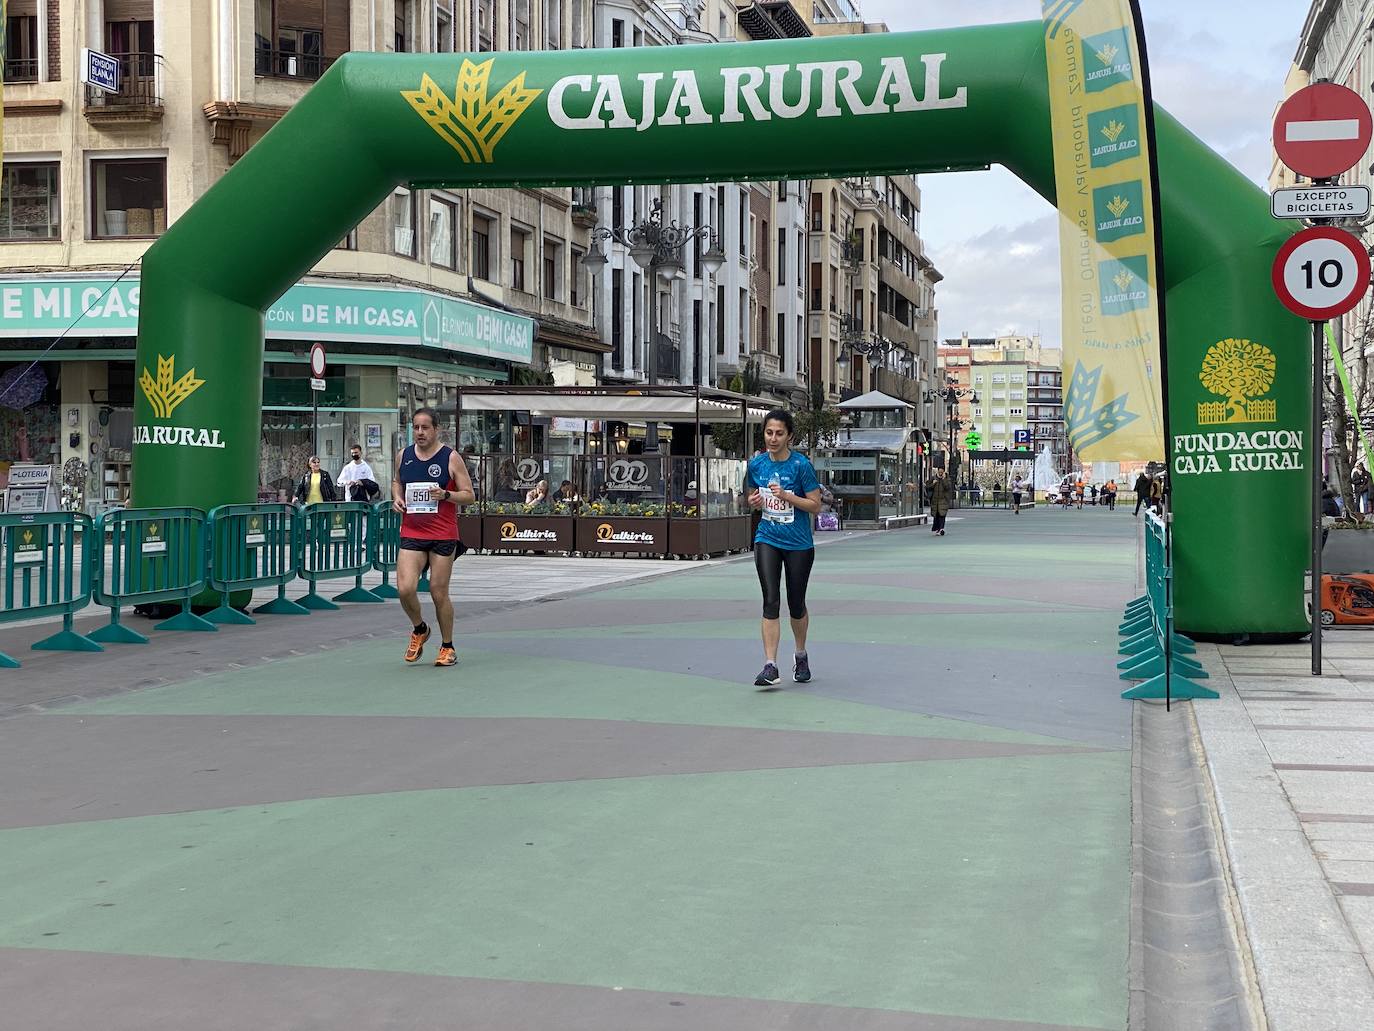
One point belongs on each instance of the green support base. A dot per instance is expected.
(1153, 666)
(66, 641)
(1135, 660)
(225, 615)
(281, 606)
(1137, 606)
(358, 593)
(1182, 644)
(186, 620)
(1181, 689)
(316, 603)
(1136, 626)
(1137, 644)
(386, 591)
(117, 633)
(7, 663)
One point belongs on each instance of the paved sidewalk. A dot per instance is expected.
(1291, 760)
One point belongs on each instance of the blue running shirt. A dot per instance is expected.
(782, 525)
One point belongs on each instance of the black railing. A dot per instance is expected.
(23, 69)
(140, 83)
(287, 64)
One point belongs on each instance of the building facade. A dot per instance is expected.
(91, 179)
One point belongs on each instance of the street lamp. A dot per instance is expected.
(656, 247)
(951, 395)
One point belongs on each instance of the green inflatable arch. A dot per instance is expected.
(890, 103)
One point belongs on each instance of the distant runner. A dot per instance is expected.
(782, 483)
(430, 482)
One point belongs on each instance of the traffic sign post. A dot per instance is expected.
(1319, 274)
(317, 366)
(1322, 130)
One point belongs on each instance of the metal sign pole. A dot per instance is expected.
(1316, 585)
(315, 422)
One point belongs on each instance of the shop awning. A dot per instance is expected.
(888, 439)
(873, 400)
(623, 404)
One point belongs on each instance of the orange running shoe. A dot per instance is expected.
(416, 645)
(447, 657)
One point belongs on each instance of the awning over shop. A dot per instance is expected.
(891, 440)
(874, 400)
(658, 404)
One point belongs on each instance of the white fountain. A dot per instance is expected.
(1045, 473)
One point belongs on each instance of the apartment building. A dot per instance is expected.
(868, 284)
(91, 178)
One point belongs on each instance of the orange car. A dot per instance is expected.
(1348, 599)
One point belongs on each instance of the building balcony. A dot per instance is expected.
(139, 99)
(769, 364)
(22, 69)
(286, 64)
(585, 216)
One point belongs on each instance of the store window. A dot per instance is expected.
(30, 395)
(128, 198)
(403, 223)
(443, 232)
(30, 205)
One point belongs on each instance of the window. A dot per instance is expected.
(763, 244)
(978, 378)
(482, 226)
(444, 36)
(720, 320)
(403, 223)
(443, 232)
(617, 206)
(404, 37)
(576, 297)
(21, 41)
(1017, 377)
(553, 24)
(129, 39)
(999, 427)
(782, 257)
(999, 377)
(349, 242)
(618, 318)
(699, 363)
(1017, 411)
(782, 335)
(817, 214)
(128, 197)
(744, 222)
(30, 206)
(519, 242)
(696, 242)
(617, 32)
(486, 24)
(520, 25)
(553, 254)
(999, 413)
(782, 189)
(579, 17)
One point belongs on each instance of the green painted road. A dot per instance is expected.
(595, 821)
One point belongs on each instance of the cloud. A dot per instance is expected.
(904, 15)
(1002, 280)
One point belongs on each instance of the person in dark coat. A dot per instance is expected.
(940, 491)
(315, 486)
(1142, 492)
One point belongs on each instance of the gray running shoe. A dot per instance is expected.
(768, 676)
(801, 669)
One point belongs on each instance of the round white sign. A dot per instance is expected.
(1321, 273)
(317, 361)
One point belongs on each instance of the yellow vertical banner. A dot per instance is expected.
(1108, 235)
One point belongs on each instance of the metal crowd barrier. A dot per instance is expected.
(153, 555)
(45, 574)
(384, 533)
(334, 545)
(253, 546)
(1154, 652)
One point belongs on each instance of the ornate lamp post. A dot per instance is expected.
(657, 248)
(951, 395)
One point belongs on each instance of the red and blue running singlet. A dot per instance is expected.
(427, 520)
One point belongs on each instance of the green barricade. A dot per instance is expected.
(384, 536)
(334, 545)
(46, 573)
(149, 556)
(1154, 652)
(253, 546)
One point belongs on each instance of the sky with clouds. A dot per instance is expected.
(1216, 65)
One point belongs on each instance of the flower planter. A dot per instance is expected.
(527, 533)
(615, 535)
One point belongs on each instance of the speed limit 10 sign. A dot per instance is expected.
(1321, 273)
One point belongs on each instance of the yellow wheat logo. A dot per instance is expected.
(1117, 206)
(1106, 54)
(165, 393)
(1123, 279)
(1113, 129)
(28, 536)
(154, 530)
(1241, 371)
(471, 123)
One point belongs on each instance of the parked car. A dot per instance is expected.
(1348, 599)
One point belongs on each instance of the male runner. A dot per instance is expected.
(430, 482)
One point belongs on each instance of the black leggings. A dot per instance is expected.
(770, 563)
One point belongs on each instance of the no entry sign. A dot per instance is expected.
(1322, 130)
(1321, 273)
